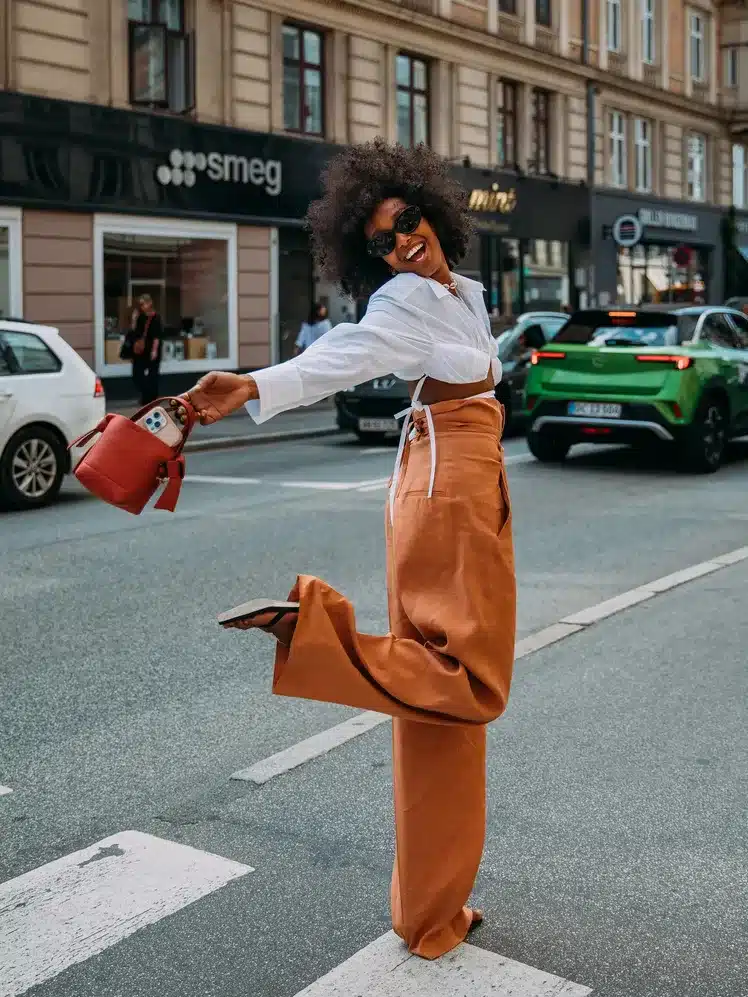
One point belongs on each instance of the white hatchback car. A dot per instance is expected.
(48, 397)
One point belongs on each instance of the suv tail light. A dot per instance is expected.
(547, 355)
(98, 389)
(680, 362)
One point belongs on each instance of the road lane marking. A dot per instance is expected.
(734, 557)
(374, 486)
(312, 747)
(643, 593)
(322, 486)
(544, 638)
(519, 458)
(384, 969)
(66, 911)
(369, 485)
(4, 790)
(379, 484)
(217, 479)
(320, 744)
(602, 610)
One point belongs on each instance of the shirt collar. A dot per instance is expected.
(464, 284)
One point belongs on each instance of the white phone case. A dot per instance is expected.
(160, 423)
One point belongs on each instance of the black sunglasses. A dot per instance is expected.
(383, 243)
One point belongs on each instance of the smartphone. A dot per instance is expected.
(162, 425)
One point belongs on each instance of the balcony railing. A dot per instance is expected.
(618, 63)
(546, 40)
(652, 75)
(510, 27)
(700, 92)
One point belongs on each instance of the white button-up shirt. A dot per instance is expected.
(413, 328)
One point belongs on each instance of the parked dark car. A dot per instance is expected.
(531, 331)
(369, 410)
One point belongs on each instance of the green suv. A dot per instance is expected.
(642, 376)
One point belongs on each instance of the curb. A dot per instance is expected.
(234, 442)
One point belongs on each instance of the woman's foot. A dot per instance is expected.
(477, 918)
(276, 618)
(282, 629)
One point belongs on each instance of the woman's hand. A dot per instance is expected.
(220, 393)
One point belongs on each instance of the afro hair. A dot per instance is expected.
(355, 182)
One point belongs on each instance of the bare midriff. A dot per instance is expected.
(434, 391)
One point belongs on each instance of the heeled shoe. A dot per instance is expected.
(249, 611)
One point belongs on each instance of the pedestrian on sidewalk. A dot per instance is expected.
(392, 224)
(311, 331)
(146, 344)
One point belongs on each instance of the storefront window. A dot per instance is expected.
(652, 274)
(521, 275)
(546, 275)
(10, 265)
(189, 275)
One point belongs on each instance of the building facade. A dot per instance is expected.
(173, 146)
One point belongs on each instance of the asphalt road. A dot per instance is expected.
(616, 777)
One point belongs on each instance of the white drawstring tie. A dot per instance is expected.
(418, 406)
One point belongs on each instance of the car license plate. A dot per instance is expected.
(378, 425)
(596, 410)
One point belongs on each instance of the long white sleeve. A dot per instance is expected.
(392, 335)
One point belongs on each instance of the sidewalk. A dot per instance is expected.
(239, 430)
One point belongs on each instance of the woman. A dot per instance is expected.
(146, 350)
(311, 331)
(391, 222)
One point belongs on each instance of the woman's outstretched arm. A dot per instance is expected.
(392, 335)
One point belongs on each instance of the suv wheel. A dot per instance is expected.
(31, 468)
(546, 448)
(703, 447)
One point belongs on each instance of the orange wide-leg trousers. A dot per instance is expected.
(443, 671)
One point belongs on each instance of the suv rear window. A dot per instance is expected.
(623, 328)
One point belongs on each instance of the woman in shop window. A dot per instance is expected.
(147, 339)
(392, 225)
(310, 331)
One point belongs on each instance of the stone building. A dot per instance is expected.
(173, 146)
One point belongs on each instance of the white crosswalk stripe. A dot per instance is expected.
(66, 911)
(384, 969)
(78, 906)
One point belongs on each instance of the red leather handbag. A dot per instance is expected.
(127, 463)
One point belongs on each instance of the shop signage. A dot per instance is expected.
(183, 168)
(495, 200)
(627, 230)
(679, 221)
(86, 157)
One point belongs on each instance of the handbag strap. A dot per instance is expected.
(99, 428)
(181, 403)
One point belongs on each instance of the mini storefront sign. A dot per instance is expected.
(495, 200)
(524, 207)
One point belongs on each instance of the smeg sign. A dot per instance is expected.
(184, 167)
